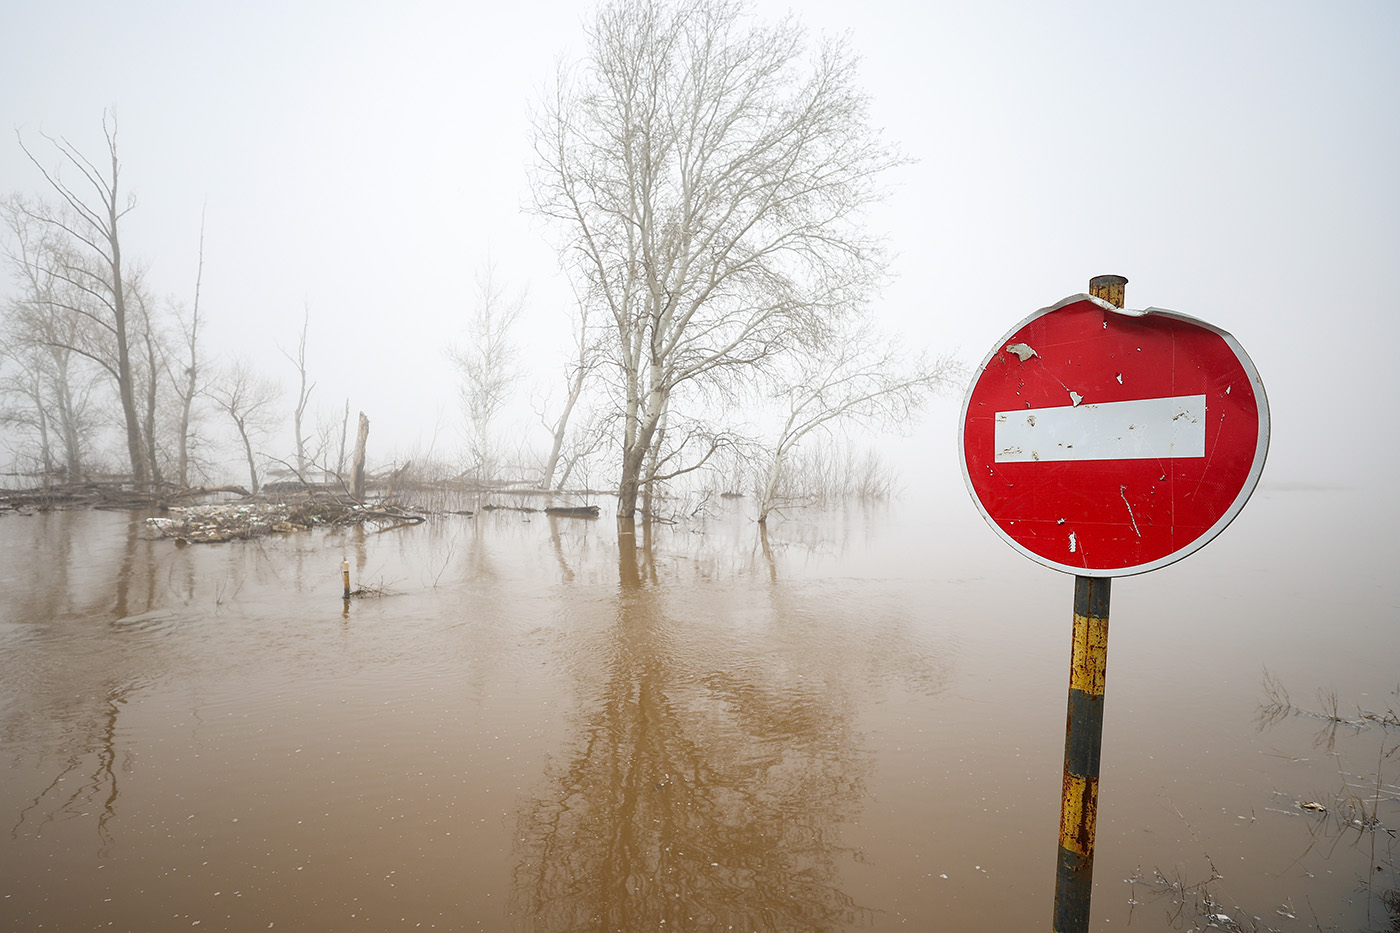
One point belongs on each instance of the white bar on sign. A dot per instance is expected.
(1141, 429)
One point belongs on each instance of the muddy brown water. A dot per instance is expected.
(541, 726)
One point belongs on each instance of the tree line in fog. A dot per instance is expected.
(704, 177)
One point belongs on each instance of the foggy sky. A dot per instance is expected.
(1237, 163)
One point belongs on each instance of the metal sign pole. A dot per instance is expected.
(1079, 798)
(1084, 723)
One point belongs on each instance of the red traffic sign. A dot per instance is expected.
(1103, 442)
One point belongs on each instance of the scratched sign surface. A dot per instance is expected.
(1103, 442)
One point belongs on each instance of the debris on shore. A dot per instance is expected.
(238, 521)
(279, 507)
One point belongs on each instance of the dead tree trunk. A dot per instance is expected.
(357, 471)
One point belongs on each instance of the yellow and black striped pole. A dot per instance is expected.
(1079, 799)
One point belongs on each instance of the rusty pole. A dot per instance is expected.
(1111, 288)
(1079, 798)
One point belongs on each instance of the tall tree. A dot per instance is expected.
(707, 173)
(151, 358)
(303, 394)
(188, 382)
(88, 219)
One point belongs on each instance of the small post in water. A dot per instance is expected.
(345, 573)
(1079, 798)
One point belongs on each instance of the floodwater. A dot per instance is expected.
(537, 724)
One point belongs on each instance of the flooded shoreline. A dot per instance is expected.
(539, 725)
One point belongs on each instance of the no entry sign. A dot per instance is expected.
(1103, 442)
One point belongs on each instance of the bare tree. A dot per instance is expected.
(51, 383)
(708, 174)
(576, 375)
(303, 394)
(152, 357)
(94, 271)
(248, 400)
(853, 380)
(487, 364)
(344, 436)
(188, 382)
(584, 439)
(46, 391)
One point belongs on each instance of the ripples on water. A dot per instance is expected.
(856, 723)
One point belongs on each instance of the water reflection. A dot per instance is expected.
(702, 790)
(136, 577)
(85, 629)
(88, 780)
(676, 723)
(68, 603)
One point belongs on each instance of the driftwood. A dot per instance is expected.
(283, 487)
(573, 511)
(195, 492)
(401, 518)
(566, 511)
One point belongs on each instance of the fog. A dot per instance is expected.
(358, 168)
(1235, 165)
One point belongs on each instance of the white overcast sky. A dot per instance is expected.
(1238, 162)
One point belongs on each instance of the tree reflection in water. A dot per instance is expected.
(88, 781)
(89, 630)
(702, 791)
(84, 714)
